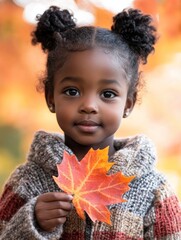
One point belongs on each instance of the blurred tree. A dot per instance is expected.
(11, 151)
(11, 140)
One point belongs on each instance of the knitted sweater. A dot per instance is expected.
(151, 211)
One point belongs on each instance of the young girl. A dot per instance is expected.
(91, 83)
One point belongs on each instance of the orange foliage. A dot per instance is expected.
(167, 12)
(90, 185)
(148, 7)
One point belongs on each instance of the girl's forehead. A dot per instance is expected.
(94, 58)
(94, 63)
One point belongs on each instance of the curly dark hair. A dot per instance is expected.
(131, 39)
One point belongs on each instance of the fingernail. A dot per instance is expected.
(70, 197)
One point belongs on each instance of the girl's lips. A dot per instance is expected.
(87, 123)
(87, 126)
(87, 129)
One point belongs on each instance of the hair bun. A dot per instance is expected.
(136, 29)
(50, 22)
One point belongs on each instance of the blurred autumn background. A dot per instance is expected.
(23, 110)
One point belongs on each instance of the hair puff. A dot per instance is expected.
(136, 30)
(52, 21)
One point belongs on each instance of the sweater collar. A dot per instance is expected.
(134, 155)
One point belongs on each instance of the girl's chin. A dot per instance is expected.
(84, 142)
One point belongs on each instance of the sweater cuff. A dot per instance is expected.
(23, 226)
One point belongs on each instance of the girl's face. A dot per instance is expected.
(90, 96)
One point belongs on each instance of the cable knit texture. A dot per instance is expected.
(151, 211)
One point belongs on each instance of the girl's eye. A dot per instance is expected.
(72, 92)
(108, 94)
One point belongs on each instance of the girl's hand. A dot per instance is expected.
(51, 209)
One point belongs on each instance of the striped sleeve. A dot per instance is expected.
(17, 219)
(163, 220)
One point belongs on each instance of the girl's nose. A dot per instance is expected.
(89, 105)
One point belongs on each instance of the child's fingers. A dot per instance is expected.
(49, 225)
(52, 214)
(57, 205)
(52, 208)
(49, 219)
(55, 196)
(47, 205)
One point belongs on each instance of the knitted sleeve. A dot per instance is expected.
(17, 203)
(163, 220)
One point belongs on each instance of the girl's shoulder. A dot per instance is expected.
(137, 142)
(135, 155)
(47, 150)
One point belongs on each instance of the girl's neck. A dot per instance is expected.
(81, 150)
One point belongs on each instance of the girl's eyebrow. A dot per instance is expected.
(72, 79)
(110, 81)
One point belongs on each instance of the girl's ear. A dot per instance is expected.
(50, 101)
(130, 102)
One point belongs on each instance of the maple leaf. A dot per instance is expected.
(87, 180)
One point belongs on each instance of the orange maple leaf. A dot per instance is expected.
(88, 182)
